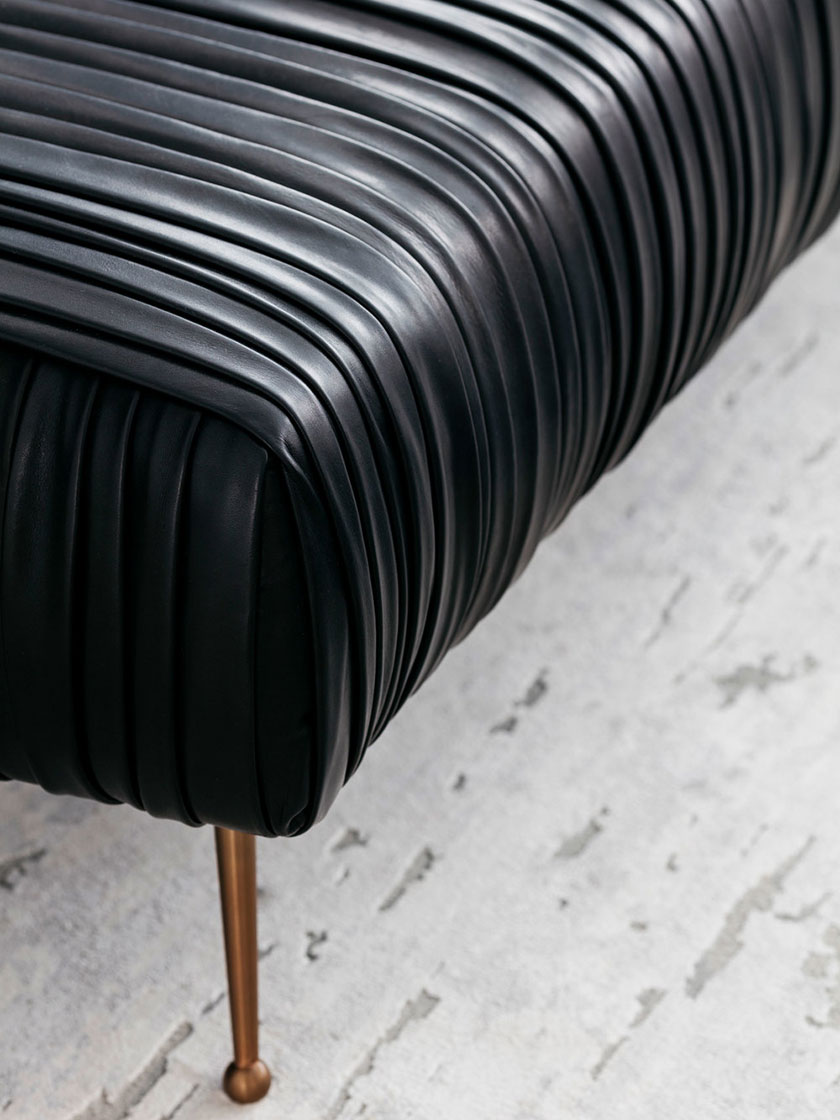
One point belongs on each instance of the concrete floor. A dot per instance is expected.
(590, 872)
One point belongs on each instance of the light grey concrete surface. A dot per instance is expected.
(592, 871)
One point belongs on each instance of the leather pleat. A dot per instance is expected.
(359, 299)
(153, 604)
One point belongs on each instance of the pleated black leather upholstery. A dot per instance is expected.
(155, 641)
(430, 267)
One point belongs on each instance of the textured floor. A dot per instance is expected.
(591, 872)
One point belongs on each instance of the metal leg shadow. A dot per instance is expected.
(247, 1078)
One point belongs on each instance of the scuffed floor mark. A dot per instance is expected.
(505, 726)
(816, 965)
(749, 374)
(576, 844)
(744, 590)
(809, 911)
(460, 783)
(535, 692)
(740, 594)
(350, 838)
(414, 1011)
(607, 1056)
(14, 869)
(117, 1108)
(314, 941)
(728, 942)
(420, 866)
(649, 1000)
(797, 356)
(820, 452)
(819, 966)
(760, 677)
(212, 1004)
(667, 612)
(751, 843)
(187, 1097)
(813, 557)
(267, 950)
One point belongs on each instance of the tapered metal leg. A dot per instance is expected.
(247, 1078)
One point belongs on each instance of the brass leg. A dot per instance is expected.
(247, 1078)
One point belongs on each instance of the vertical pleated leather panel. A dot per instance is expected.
(132, 604)
(17, 371)
(39, 578)
(443, 261)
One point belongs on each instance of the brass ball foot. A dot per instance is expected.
(246, 1084)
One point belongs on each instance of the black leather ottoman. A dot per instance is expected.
(314, 319)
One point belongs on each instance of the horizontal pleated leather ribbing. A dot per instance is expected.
(149, 580)
(445, 261)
